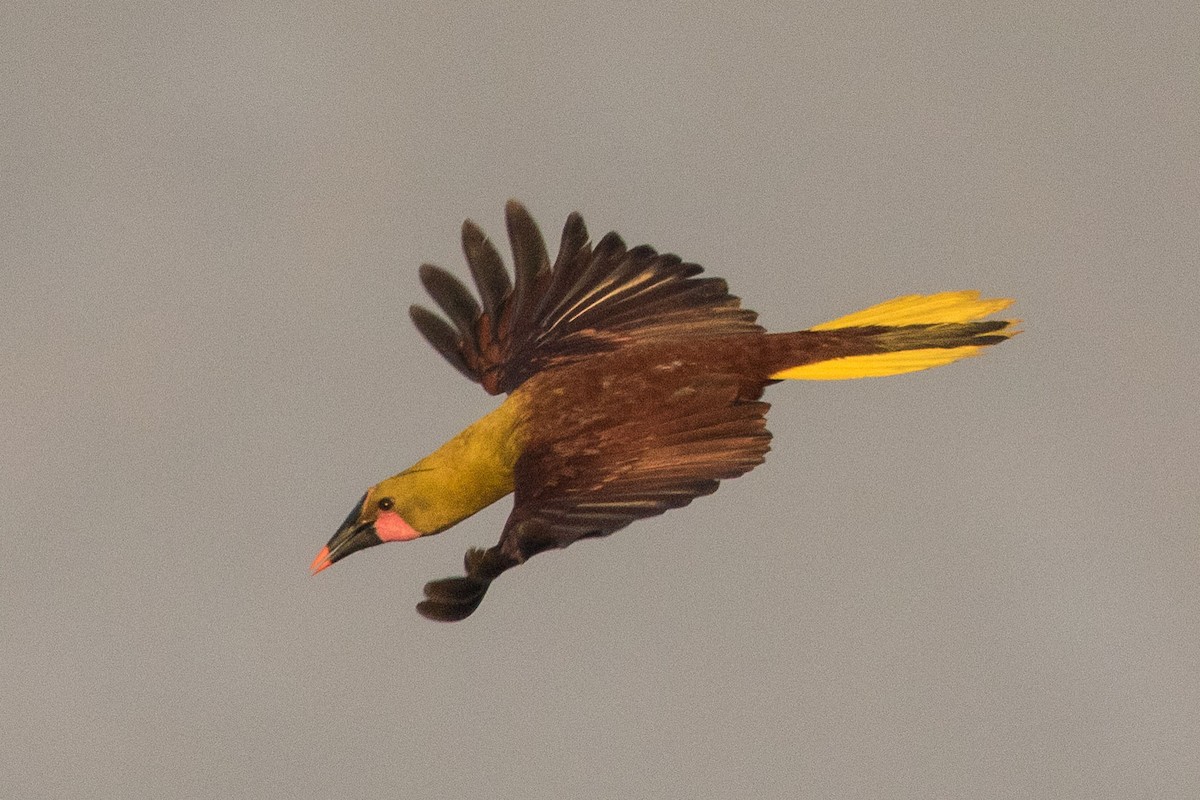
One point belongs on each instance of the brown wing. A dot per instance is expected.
(594, 482)
(591, 300)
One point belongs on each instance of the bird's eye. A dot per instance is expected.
(386, 503)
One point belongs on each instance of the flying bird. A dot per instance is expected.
(633, 386)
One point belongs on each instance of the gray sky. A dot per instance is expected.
(981, 581)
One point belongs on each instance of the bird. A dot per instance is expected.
(633, 386)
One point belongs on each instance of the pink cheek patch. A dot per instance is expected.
(391, 527)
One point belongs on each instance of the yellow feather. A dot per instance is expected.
(878, 365)
(921, 309)
(466, 474)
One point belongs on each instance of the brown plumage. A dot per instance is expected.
(634, 387)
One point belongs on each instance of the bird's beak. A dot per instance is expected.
(351, 537)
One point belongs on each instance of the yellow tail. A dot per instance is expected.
(907, 334)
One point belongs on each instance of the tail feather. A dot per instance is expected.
(921, 309)
(907, 334)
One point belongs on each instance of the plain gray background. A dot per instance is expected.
(981, 581)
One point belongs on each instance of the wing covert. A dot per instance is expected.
(595, 480)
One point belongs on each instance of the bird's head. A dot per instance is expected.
(377, 518)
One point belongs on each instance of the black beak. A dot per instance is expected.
(351, 537)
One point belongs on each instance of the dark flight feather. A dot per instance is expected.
(592, 300)
(443, 337)
(455, 300)
(487, 269)
(454, 599)
(531, 262)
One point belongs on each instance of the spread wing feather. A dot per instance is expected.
(455, 300)
(591, 300)
(444, 338)
(487, 269)
(531, 262)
